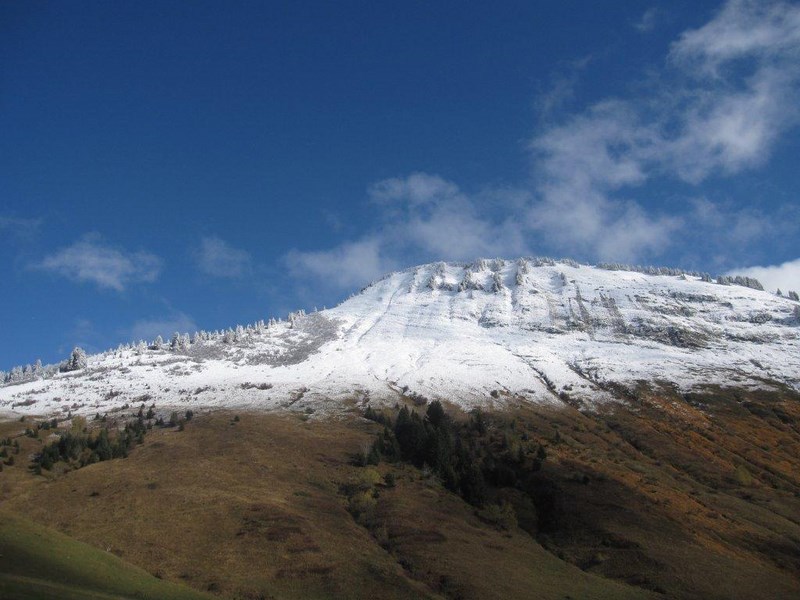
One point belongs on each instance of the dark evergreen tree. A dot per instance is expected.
(435, 413)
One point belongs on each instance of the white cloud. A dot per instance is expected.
(346, 266)
(218, 258)
(740, 226)
(690, 127)
(561, 89)
(731, 131)
(425, 217)
(415, 190)
(456, 230)
(579, 164)
(18, 227)
(647, 21)
(16, 223)
(89, 260)
(149, 329)
(785, 276)
(742, 73)
(742, 29)
(729, 90)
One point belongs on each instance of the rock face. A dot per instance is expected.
(488, 332)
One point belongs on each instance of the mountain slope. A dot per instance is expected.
(37, 562)
(534, 329)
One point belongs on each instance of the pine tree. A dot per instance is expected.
(77, 360)
(435, 413)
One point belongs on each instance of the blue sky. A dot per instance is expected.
(172, 165)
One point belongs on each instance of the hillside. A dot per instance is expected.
(658, 499)
(40, 563)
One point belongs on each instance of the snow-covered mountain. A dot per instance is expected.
(493, 331)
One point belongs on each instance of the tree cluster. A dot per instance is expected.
(467, 457)
(80, 447)
(750, 282)
(179, 343)
(650, 270)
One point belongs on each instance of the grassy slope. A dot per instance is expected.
(653, 496)
(37, 562)
(253, 509)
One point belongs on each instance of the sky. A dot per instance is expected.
(194, 165)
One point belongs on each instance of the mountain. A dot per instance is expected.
(490, 332)
(639, 438)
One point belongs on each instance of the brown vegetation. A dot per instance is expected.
(692, 497)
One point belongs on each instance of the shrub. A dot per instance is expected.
(362, 506)
(742, 476)
(502, 516)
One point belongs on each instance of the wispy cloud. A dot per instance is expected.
(578, 167)
(344, 267)
(418, 189)
(689, 127)
(18, 223)
(647, 21)
(90, 260)
(83, 334)
(785, 276)
(18, 227)
(727, 93)
(217, 258)
(165, 326)
(742, 29)
(561, 90)
(423, 216)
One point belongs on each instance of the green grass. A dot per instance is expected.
(37, 562)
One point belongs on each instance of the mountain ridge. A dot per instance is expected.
(491, 331)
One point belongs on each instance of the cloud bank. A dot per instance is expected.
(784, 277)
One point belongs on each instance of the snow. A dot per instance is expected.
(524, 330)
